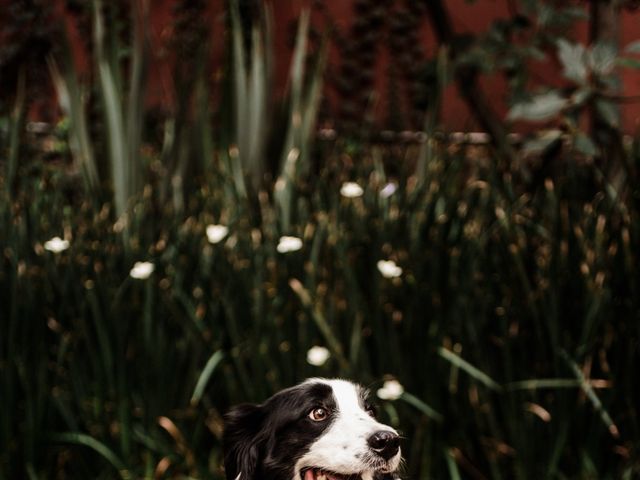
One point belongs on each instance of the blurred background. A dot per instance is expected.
(203, 202)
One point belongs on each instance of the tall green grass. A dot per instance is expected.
(513, 325)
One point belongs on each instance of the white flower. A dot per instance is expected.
(351, 190)
(289, 244)
(391, 390)
(56, 245)
(215, 233)
(389, 269)
(142, 270)
(388, 190)
(317, 356)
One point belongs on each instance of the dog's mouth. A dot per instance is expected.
(319, 474)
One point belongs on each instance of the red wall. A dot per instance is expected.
(476, 17)
(468, 17)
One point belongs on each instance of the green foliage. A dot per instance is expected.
(252, 106)
(16, 124)
(511, 327)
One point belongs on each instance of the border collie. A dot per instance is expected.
(319, 430)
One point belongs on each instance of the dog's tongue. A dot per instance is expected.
(313, 475)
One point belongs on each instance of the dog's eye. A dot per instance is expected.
(371, 410)
(318, 414)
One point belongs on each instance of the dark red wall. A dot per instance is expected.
(468, 16)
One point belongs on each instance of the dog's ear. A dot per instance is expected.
(242, 442)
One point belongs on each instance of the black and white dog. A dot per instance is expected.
(319, 430)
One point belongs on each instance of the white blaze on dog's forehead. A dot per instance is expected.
(347, 396)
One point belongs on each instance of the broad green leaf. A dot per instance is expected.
(541, 143)
(572, 56)
(583, 144)
(633, 47)
(581, 96)
(540, 108)
(608, 111)
(602, 58)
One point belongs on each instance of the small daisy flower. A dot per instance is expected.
(318, 356)
(289, 244)
(216, 233)
(142, 270)
(56, 245)
(388, 190)
(389, 269)
(351, 190)
(391, 390)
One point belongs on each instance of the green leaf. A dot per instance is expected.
(628, 62)
(83, 439)
(573, 59)
(541, 143)
(602, 58)
(608, 111)
(543, 383)
(207, 371)
(454, 473)
(252, 84)
(539, 108)
(70, 99)
(633, 47)
(471, 370)
(16, 125)
(591, 395)
(113, 115)
(583, 144)
(581, 96)
(422, 406)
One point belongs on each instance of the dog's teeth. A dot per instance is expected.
(322, 476)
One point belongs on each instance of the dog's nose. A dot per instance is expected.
(384, 443)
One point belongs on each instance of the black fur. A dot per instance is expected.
(265, 441)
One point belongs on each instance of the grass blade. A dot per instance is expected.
(553, 383)
(207, 371)
(135, 105)
(474, 372)
(111, 102)
(70, 99)
(591, 395)
(95, 445)
(17, 121)
(429, 411)
(454, 473)
(321, 323)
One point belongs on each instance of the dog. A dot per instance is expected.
(321, 429)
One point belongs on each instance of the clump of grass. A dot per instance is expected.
(511, 325)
